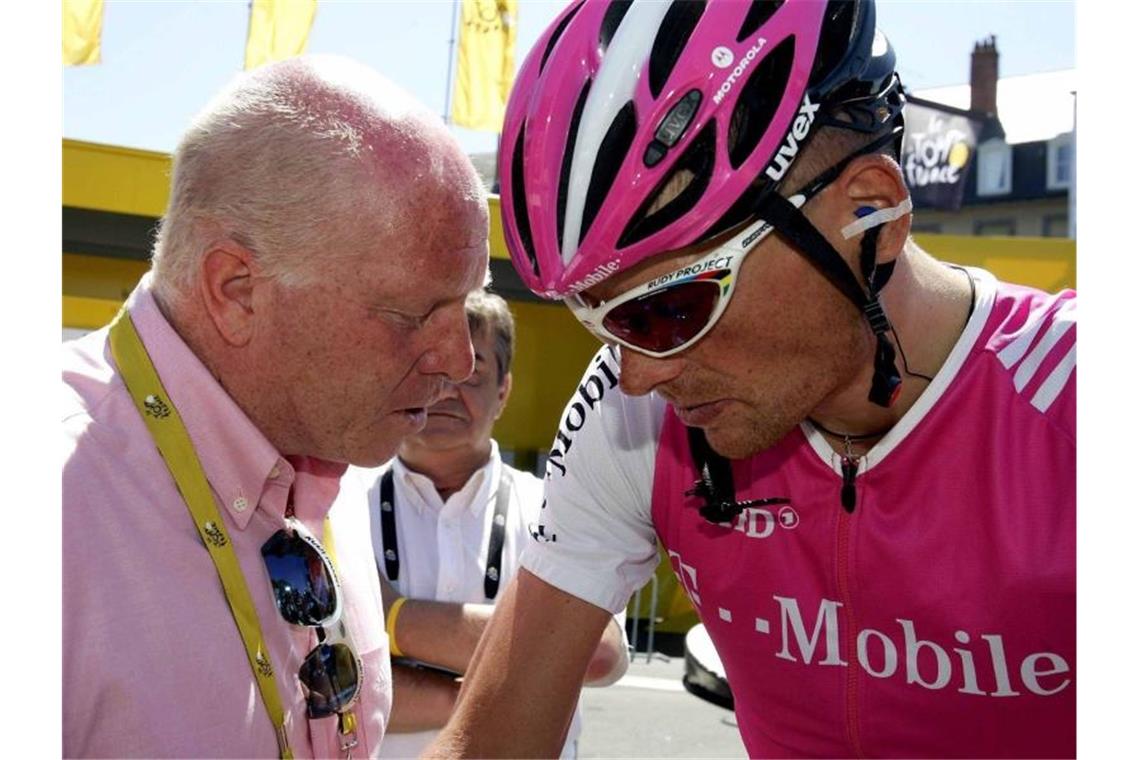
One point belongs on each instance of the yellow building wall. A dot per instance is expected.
(110, 178)
(1049, 264)
(551, 353)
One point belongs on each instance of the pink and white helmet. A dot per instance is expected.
(617, 98)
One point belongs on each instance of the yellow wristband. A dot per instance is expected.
(390, 625)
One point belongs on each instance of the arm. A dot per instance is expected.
(527, 671)
(445, 634)
(421, 699)
(611, 657)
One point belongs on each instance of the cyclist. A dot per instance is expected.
(860, 460)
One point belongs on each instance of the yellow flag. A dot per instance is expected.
(486, 63)
(278, 29)
(82, 30)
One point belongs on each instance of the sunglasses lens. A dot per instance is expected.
(302, 582)
(331, 679)
(665, 319)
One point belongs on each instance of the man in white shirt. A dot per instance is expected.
(449, 521)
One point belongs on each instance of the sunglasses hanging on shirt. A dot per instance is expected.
(307, 593)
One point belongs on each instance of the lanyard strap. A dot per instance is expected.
(391, 549)
(498, 531)
(169, 433)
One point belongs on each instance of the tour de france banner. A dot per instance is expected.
(938, 147)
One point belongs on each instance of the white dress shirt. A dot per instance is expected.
(442, 548)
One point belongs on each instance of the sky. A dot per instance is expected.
(162, 61)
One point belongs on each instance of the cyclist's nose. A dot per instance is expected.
(640, 373)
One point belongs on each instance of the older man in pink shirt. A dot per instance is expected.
(305, 305)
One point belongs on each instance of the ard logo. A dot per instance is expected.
(156, 407)
(214, 534)
(263, 666)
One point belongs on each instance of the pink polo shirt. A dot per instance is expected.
(153, 664)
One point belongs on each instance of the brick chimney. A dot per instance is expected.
(984, 76)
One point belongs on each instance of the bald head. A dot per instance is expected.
(308, 160)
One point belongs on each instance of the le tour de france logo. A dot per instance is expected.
(938, 154)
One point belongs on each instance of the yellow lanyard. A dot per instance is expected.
(165, 425)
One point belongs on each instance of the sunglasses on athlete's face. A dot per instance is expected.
(307, 593)
(668, 314)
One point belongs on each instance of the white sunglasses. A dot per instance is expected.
(667, 314)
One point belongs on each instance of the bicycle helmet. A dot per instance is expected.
(618, 97)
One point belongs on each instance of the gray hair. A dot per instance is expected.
(285, 163)
(486, 310)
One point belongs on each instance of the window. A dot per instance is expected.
(995, 167)
(1060, 162)
(1055, 225)
(995, 227)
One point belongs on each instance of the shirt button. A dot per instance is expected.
(240, 504)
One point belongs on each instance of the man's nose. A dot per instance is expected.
(640, 374)
(449, 351)
(448, 391)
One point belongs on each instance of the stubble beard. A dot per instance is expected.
(757, 429)
(772, 411)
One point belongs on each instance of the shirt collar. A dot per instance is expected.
(244, 469)
(475, 493)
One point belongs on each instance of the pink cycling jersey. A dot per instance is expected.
(938, 617)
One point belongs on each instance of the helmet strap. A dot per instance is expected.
(790, 222)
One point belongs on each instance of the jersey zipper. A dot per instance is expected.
(849, 467)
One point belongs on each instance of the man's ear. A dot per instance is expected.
(226, 289)
(504, 394)
(876, 182)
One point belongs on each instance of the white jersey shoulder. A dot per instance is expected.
(594, 534)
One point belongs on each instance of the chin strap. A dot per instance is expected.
(790, 222)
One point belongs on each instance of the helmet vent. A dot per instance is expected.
(758, 102)
(686, 182)
(611, 21)
(611, 155)
(672, 36)
(834, 39)
(518, 202)
(567, 159)
(758, 14)
(557, 34)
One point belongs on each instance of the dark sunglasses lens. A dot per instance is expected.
(667, 318)
(302, 584)
(330, 678)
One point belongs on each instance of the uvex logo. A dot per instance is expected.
(796, 134)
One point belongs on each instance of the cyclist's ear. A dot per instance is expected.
(876, 182)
